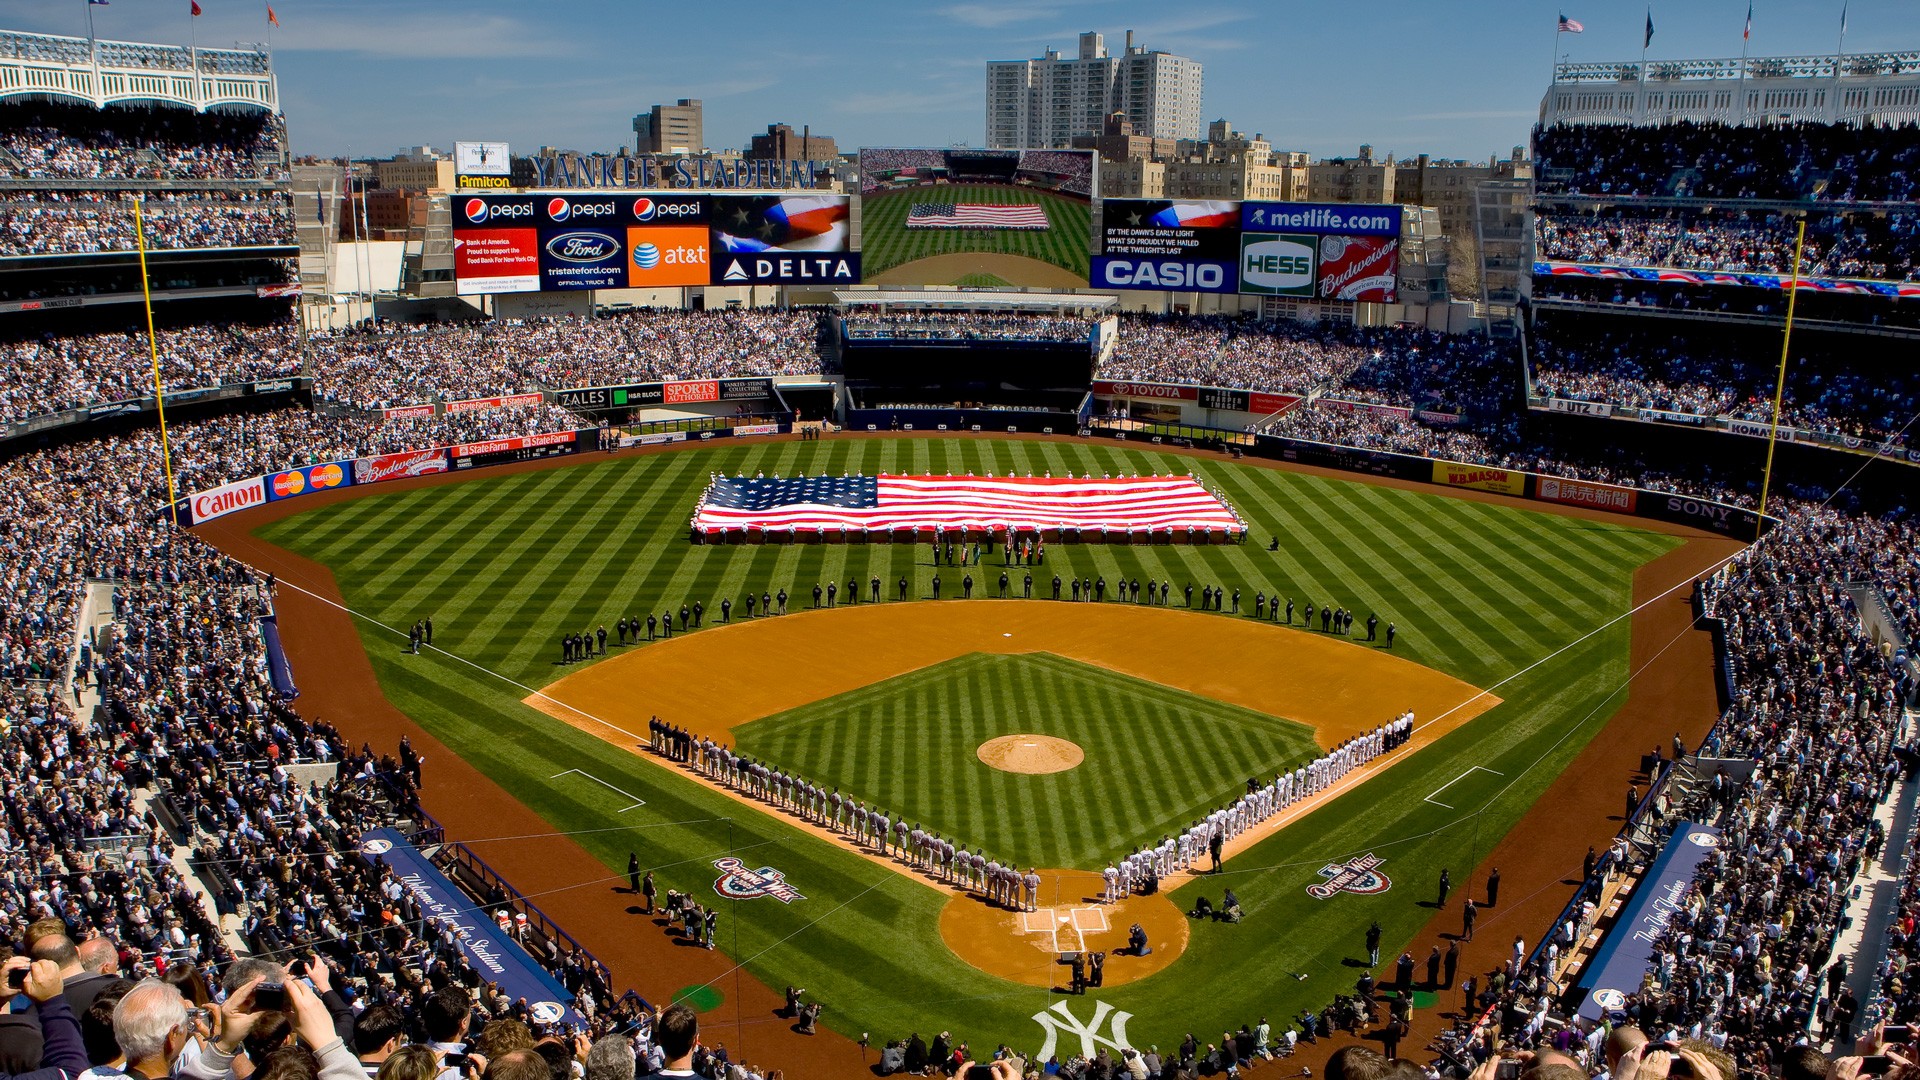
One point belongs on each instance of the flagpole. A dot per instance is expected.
(153, 348)
(1839, 56)
(1746, 39)
(1646, 39)
(1780, 386)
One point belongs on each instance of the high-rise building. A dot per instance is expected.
(670, 129)
(1050, 100)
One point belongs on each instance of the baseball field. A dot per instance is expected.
(892, 254)
(1172, 709)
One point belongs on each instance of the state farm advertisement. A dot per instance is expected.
(1362, 268)
(1585, 493)
(227, 498)
(496, 261)
(485, 403)
(407, 412)
(379, 467)
(687, 393)
(518, 442)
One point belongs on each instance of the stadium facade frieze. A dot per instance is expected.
(661, 171)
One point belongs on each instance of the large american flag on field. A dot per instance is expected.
(1022, 504)
(976, 216)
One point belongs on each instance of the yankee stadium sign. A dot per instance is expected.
(660, 171)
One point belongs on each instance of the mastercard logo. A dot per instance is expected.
(319, 478)
(289, 483)
(328, 476)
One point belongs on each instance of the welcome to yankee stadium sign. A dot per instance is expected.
(661, 171)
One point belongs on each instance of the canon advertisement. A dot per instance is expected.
(1180, 246)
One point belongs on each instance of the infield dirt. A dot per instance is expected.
(1030, 754)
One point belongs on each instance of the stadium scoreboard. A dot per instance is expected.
(561, 241)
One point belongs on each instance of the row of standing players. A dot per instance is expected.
(586, 645)
(1005, 885)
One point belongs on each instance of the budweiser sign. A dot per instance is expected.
(372, 470)
(1584, 493)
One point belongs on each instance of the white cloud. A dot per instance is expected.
(441, 34)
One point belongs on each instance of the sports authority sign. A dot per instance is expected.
(1361, 877)
(737, 882)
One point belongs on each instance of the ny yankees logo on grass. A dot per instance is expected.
(1088, 1033)
(737, 882)
(1360, 876)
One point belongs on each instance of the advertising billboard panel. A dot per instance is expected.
(481, 165)
(1324, 251)
(783, 240)
(1169, 244)
(986, 218)
(666, 255)
(496, 261)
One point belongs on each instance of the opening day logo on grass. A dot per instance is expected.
(1359, 876)
(737, 882)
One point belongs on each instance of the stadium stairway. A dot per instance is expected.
(1874, 904)
(229, 923)
(96, 615)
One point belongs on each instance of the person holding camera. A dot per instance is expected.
(63, 1052)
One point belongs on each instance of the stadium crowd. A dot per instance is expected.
(1880, 248)
(67, 222)
(46, 140)
(1828, 163)
(864, 322)
(1721, 372)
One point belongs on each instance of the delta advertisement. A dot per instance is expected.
(1176, 245)
(783, 240)
(1320, 251)
(554, 242)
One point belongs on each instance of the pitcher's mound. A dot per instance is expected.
(1030, 754)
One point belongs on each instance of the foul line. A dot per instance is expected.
(1471, 769)
(638, 802)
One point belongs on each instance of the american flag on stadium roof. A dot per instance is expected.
(978, 503)
(976, 216)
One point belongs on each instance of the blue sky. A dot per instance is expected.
(1448, 78)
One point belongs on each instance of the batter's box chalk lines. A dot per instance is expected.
(638, 802)
(1457, 779)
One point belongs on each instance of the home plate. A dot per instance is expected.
(1006, 635)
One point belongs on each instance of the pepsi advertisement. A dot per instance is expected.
(545, 211)
(1168, 244)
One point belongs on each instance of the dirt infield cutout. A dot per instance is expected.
(1030, 754)
(1338, 686)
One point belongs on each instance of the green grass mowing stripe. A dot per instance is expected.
(1432, 613)
(1543, 543)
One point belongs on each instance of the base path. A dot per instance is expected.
(1019, 270)
(1338, 686)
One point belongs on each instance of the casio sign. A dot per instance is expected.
(581, 247)
(480, 210)
(1277, 264)
(1164, 275)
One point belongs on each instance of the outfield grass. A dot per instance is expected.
(886, 242)
(908, 745)
(506, 564)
